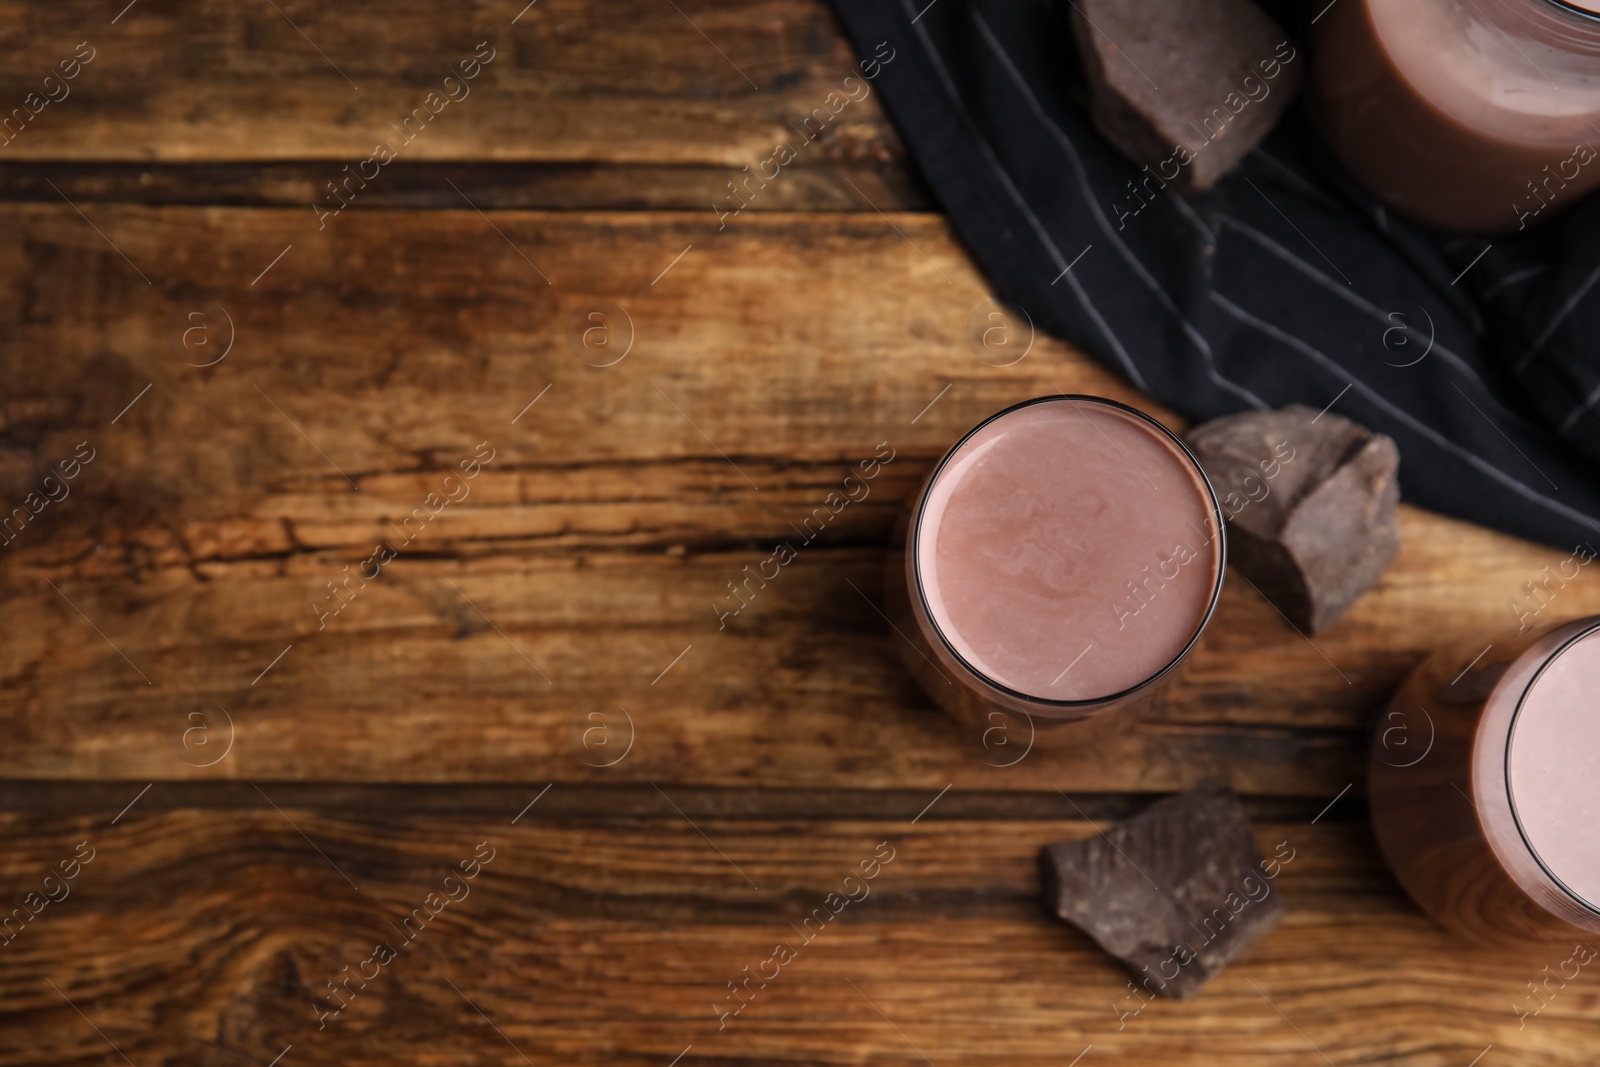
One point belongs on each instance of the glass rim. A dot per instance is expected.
(913, 546)
(1511, 796)
(1592, 13)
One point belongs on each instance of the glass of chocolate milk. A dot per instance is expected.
(1061, 559)
(1479, 115)
(1485, 785)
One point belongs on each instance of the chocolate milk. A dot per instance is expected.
(1553, 769)
(1479, 115)
(1484, 786)
(1064, 554)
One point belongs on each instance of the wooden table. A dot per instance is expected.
(269, 788)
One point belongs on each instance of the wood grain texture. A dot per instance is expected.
(268, 799)
(571, 80)
(592, 551)
(210, 937)
(708, 787)
(892, 186)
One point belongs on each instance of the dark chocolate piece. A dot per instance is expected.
(1313, 506)
(1176, 893)
(1186, 89)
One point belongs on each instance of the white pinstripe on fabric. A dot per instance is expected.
(1557, 319)
(1189, 213)
(1298, 179)
(1513, 278)
(1578, 412)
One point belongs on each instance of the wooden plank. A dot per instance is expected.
(626, 81)
(767, 359)
(606, 800)
(844, 186)
(209, 936)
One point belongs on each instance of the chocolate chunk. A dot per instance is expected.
(1176, 893)
(1312, 504)
(1187, 89)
